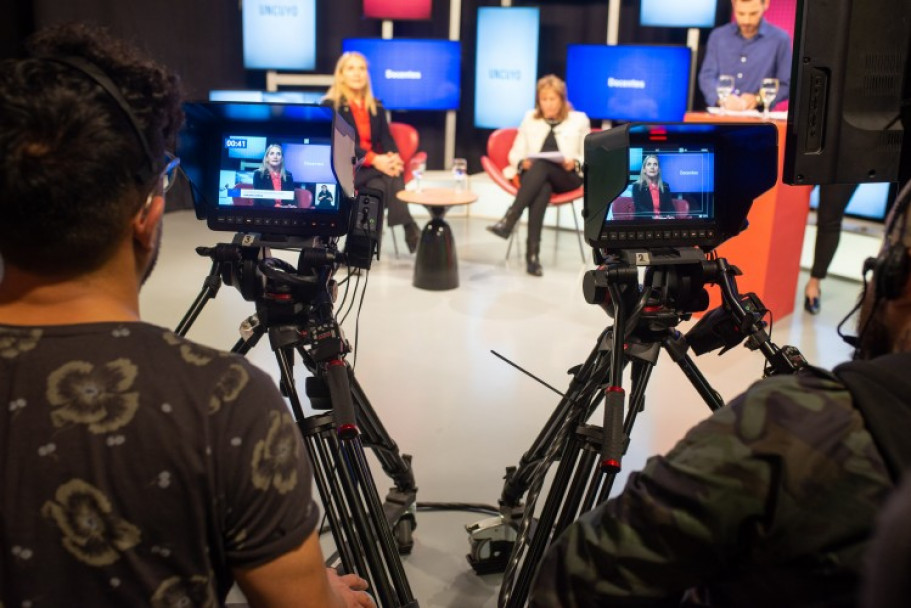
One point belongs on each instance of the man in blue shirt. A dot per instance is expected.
(749, 50)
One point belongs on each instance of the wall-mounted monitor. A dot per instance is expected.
(412, 74)
(398, 9)
(506, 65)
(279, 35)
(267, 96)
(678, 13)
(627, 82)
(870, 201)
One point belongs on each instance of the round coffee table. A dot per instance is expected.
(436, 265)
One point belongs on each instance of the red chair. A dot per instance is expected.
(407, 141)
(497, 159)
(240, 201)
(682, 206)
(303, 198)
(623, 208)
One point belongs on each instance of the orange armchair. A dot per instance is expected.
(407, 141)
(497, 159)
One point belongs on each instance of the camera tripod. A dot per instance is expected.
(645, 320)
(294, 307)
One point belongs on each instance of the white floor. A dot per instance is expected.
(424, 359)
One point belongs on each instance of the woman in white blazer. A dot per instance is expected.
(547, 158)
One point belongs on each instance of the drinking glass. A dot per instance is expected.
(460, 174)
(417, 172)
(767, 93)
(724, 89)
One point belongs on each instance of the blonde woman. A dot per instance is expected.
(272, 175)
(382, 168)
(552, 126)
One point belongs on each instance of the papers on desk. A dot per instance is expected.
(554, 157)
(747, 113)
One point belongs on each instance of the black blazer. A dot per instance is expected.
(262, 181)
(642, 200)
(380, 138)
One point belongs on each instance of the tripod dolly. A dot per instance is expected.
(294, 307)
(645, 320)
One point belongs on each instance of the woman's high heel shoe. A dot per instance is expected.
(811, 305)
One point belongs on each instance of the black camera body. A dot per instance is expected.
(226, 150)
(709, 175)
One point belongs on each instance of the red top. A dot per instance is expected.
(362, 122)
(276, 184)
(656, 198)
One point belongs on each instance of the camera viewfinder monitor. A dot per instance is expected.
(678, 13)
(223, 149)
(412, 74)
(279, 35)
(850, 65)
(704, 176)
(629, 82)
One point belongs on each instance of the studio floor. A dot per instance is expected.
(425, 360)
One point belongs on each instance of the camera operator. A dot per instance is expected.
(771, 501)
(136, 468)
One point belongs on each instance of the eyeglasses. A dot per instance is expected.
(169, 173)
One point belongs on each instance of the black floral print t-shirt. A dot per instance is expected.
(137, 468)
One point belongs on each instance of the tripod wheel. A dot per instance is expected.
(403, 533)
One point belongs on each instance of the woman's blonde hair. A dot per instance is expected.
(643, 181)
(556, 84)
(339, 91)
(264, 167)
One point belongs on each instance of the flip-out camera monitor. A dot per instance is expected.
(228, 150)
(651, 185)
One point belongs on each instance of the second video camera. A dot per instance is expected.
(704, 179)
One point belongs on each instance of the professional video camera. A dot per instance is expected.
(653, 246)
(224, 148)
(282, 176)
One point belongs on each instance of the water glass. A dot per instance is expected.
(767, 93)
(724, 89)
(417, 172)
(460, 174)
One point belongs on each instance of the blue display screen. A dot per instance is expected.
(279, 35)
(630, 83)
(506, 65)
(869, 201)
(687, 176)
(678, 13)
(409, 74)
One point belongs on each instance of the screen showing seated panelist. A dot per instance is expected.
(286, 172)
(668, 182)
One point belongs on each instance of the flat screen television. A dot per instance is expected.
(412, 74)
(398, 9)
(506, 65)
(869, 202)
(629, 82)
(678, 13)
(850, 65)
(241, 95)
(279, 35)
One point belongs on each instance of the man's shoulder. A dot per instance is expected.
(773, 31)
(726, 30)
(798, 388)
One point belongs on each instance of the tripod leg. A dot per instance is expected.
(377, 541)
(517, 480)
(321, 442)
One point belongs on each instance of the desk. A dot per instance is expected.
(436, 266)
(768, 251)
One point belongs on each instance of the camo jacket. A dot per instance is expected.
(768, 502)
